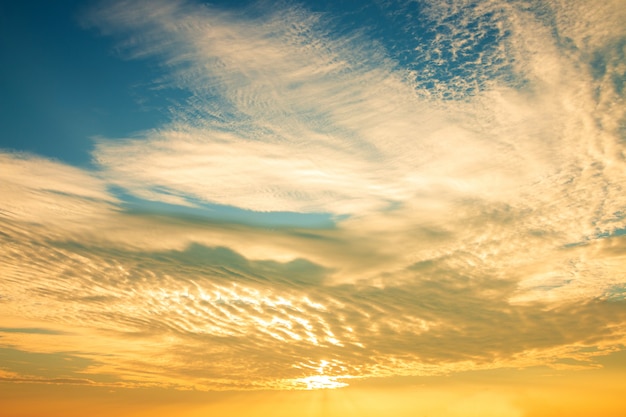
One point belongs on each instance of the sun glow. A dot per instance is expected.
(321, 382)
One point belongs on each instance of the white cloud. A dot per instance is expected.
(466, 216)
(317, 124)
(38, 190)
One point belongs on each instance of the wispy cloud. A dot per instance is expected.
(309, 122)
(485, 214)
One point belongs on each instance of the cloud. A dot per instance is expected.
(212, 319)
(314, 123)
(317, 123)
(485, 213)
(36, 188)
(28, 330)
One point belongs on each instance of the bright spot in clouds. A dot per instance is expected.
(322, 382)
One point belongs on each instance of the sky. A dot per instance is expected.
(322, 208)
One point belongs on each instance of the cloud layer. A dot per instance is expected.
(477, 193)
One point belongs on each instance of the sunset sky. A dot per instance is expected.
(322, 208)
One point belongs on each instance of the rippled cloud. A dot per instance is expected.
(476, 197)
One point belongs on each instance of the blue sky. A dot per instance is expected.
(63, 85)
(312, 192)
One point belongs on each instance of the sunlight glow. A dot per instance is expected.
(321, 382)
